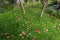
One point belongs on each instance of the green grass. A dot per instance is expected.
(13, 23)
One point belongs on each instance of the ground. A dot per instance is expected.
(14, 25)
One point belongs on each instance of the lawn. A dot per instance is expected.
(14, 25)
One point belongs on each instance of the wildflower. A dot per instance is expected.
(38, 31)
(27, 28)
(33, 38)
(59, 24)
(8, 37)
(23, 33)
(42, 22)
(54, 26)
(20, 34)
(29, 33)
(46, 30)
(26, 22)
(32, 24)
(21, 17)
(22, 37)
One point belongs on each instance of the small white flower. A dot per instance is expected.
(59, 24)
(21, 17)
(8, 37)
(27, 28)
(42, 22)
(46, 30)
(54, 26)
(29, 33)
(20, 34)
(22, 37)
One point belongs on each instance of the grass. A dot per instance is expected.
(14, 25)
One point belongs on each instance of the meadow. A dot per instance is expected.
(15, 25)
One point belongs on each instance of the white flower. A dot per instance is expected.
(29, 33)
(46, 30)
(21, 17)
(20, 34)
(59, 24)
(27, 28)
(54, 26)
(22, 37)
(8, 37)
